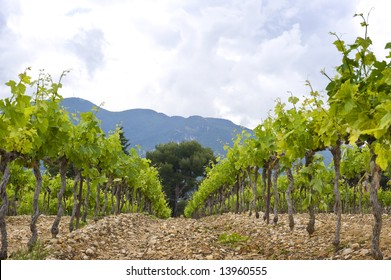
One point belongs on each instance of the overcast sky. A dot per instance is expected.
(215, 58)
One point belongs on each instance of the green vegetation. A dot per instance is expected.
(232, 239)
(103, 178)
(180, 166)
(278, 169)
(353, 122)
(37, 252)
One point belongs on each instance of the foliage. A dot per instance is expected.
(180, 167)
(38, 252)
(232, 238)
(34, 128)
(124, 141)
(353, 122)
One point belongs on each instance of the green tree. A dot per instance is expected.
(124, 141)
(180, 166)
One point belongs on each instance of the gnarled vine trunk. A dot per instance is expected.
(276, 168)
(266, 216)
(35, 215)
(86, 199)
(97, 203)
(60, 209)
(118, 192)
(264, 182)
(376, 209)
(289, 198)
(311, 223)
(237, 188)
(336, 152)
(75, 201)
(79, 201)
(3, 211)
(105, 193)
(253, 184)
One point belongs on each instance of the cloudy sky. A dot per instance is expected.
(214, 58)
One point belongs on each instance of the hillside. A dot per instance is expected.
(148, 128)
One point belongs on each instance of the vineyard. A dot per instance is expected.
(37, 132)
(352, 122)
(60, 164)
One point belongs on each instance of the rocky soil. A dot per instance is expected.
(137, 236)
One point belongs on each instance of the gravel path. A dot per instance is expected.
(137, 236)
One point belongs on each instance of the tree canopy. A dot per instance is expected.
(180, 166)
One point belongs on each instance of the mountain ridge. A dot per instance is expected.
(147, 128)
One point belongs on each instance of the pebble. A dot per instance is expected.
(347, 257)
(347, 251)
(90, 252)
(69, 249)
(356, 246)
(364, 252)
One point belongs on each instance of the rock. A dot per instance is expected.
(356, 246)
(365, 252)
(69, 249)
(347, 251)
(90, 252)
(347, 257)
(54, 241)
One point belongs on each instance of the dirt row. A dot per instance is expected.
(139, 237)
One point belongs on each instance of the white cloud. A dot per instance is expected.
(217, 58)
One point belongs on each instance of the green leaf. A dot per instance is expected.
(11, 84)
(369, 59)
(317, 184)
(25, 78)
(293, 100)
(346, 91)
(382, 156)
(376, 132)
(387, 76)
(340, 45)
(364, 43)
(354, 135)
(388, 45)
(349, 105)
(306, 202)
(385, 120)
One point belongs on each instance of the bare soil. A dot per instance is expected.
(140, 237)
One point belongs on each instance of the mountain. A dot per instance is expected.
(148, 128)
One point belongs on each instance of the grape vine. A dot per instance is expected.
(36, 130)
(353, 118)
